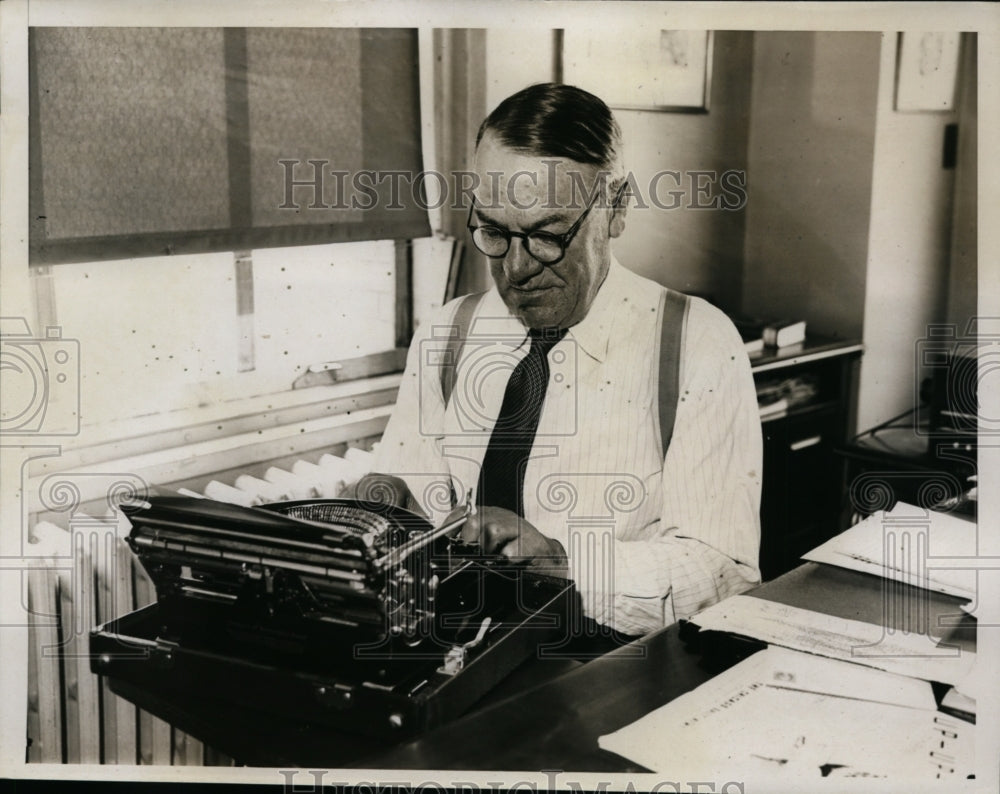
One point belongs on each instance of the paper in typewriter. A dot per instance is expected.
(784, 716)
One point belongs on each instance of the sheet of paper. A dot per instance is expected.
(431, 263)
(908, 544)
(976, 684)
(784, 716)
(909, 654)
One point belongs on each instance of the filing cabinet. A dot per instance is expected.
(803, 482)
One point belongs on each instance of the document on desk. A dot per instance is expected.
(908, 544)
(785, 716)
(904, 653)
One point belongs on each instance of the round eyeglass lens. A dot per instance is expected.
(544, 247)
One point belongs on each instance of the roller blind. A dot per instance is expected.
(151, 141)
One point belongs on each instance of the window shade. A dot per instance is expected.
(147, 141)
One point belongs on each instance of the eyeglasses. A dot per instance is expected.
(547, 248)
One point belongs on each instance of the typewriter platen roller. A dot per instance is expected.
(357, 615)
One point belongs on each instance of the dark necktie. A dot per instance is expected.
(501, 479)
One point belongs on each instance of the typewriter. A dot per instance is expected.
(357, 616)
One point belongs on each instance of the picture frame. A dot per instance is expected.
(656, 69)
(927, 71)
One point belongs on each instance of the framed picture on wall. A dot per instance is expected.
(927, 71)
(667, 70)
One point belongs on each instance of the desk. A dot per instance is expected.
(550, 713)
(903, 464)
(254, 738)
(556, 725)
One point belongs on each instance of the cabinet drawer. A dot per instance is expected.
(801, 488)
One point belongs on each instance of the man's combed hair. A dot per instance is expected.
(555, 120)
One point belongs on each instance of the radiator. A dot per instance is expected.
(82, 574)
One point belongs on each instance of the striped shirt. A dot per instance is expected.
(649, 540)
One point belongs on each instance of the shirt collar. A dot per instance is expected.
(592, 333)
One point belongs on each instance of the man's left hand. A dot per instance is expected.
(499, 531)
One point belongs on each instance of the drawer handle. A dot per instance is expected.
(804, 443)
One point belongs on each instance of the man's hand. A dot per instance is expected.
(499, 531)
(383, 489)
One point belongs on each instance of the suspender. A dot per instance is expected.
(456, 342)
(672, 314)
(673, 321)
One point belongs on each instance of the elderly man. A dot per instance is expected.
(607, 426)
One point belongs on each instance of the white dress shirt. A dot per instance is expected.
(649, 540)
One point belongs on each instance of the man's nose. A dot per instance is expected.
(519, 266)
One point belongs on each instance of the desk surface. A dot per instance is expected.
(555, 712)
(557, 724)
(903, 464)
(911, 448)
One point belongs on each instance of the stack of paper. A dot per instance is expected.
(924, 548)
(787, 717)
(962, 697)
(903, 653)
(432, 274)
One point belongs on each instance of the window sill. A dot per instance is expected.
(233, 428)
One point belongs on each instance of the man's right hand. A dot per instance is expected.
(499, 531)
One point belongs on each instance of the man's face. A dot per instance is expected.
(526, 193)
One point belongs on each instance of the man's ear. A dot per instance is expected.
(616, 225)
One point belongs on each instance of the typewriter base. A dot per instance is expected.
(239, 732)
(211, 693)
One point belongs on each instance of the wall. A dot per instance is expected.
(812, 136)
(698, 251)
(693, 250)
(459, 107)
(909, 244)
(850, 216)
(515, 58)
(962, 287)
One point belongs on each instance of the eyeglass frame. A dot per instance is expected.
(564, 239)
